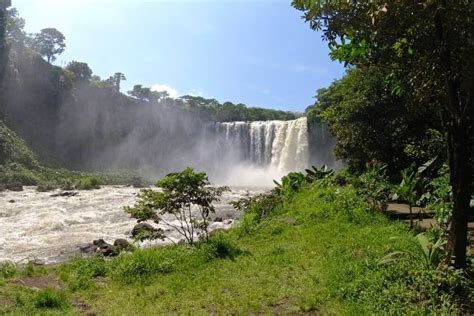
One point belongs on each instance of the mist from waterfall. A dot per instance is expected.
(264, 150)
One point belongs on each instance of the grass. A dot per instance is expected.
(318, 253)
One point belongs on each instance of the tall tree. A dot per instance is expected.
(116, 79)
(140, 92)
(81, 71)
(49, 42)
(15, 31)
(428, 45)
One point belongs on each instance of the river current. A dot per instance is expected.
(41, 226)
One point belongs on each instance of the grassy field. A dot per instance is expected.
(318, 253)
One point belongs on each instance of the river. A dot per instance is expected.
(41, 226)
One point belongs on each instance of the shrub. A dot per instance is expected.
(290, 184)
(46, 186)
(295, 181)
(375, 186)
(7, 269)
(220, 247)
(261, 205)
(88, 183)
(142, 264)
(439, 198)
(427, 254)
(67, 185)
(406, 190)
(180, 192)
(50, 298)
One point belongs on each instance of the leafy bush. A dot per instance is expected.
(290, 184)
(406, 190)
(88, 183)
(67, 185)
(255, 209)
(46, 186)
(375, 185)
(49, 298)
(314, 174)
(261, 205)
(439, 198)
(295, 181)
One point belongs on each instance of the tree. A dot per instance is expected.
(370, 123)
(427, 45)
(141, 93)
(181, 192)
(49, 43)
(116, 79)
(15, 28)
(81, 71)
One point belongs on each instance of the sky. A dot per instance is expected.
(256, 52)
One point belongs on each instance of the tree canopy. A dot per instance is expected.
(49, 42)
(371, 123)
(81, 71)
(426, 48)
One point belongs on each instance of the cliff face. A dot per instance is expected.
(88, 124)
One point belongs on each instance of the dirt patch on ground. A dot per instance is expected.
(82, 307)
(5, 302)
(39, 282)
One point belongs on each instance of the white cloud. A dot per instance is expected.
(196, 93)
(173, 93)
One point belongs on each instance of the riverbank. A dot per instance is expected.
(323, 251)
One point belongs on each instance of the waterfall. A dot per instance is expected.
(280, 145)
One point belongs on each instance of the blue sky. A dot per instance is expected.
(256, 52)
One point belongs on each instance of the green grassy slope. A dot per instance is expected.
(318, 253)
(17, 161)
(20, 164)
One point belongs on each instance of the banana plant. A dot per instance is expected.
(314, 173)
(429, 253)
(290, 184)
(406, 190)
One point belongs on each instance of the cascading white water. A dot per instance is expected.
(279, 145)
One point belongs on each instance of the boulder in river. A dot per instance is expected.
(14, 186)
(65, 194)
(88, 248)
(123, 245)
(105, 248)
(143, 231)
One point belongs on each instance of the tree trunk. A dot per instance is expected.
(458, 156)
(411, 215)
(457, 120)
